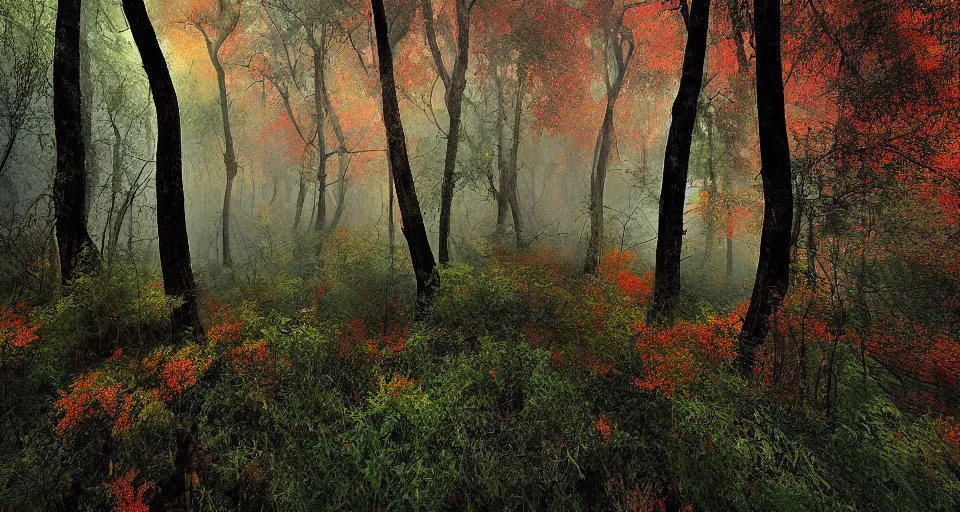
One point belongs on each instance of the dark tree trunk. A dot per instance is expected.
(513, 170)
(773, 269)
(413, 227)
(454, 85)
(171, 217)
(69, 185)
(88, 25)
(675, 166)
(115, 215)
(301, 198)
(811, 252)
(318, 92)
(503, 201)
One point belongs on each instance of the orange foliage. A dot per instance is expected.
(255, 361)
(126, 496)
(400, 385)
(15, 330)
(678, 356)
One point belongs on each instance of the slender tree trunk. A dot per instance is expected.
(301, 198)
(69, 186)
(613, 55)
(773, 269)
(729, 273)
(229, 154)
(675, 167)
(115, 215)
(711, 188)
(503, 201)
(413, 227)
(318, 70)
(454, 85)
(343, 157)
(513, 197)
(811, 252)
(171, 217)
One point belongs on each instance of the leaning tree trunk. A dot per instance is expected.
(675, 167)
(171, 217)
(413, 227)
(69, 184)
(773, 268)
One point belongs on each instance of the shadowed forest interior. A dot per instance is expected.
(645, 255)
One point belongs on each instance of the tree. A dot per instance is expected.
(454, 84)
(676, 165)
(171, 217)
(773, 269)
(69, 185)
(413, 227)
(618, 49)
(227, 18)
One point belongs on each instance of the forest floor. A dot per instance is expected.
(525, 387)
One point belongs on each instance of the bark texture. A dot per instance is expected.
(773, 268)
(171, 217)
(69, 185)
(676, 166)
(413, 227)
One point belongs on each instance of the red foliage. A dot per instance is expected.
(178, 375)
(615, 265)
(226, 333)
(92, 396)
(400, 385)
(15, 330)
(678, 356)
(604, 430)
(126, 496)
(255, 361)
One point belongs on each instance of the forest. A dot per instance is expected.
(632, 255)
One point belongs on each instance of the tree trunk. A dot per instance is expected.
(615, 65)
(115, 215)
(69, 185)
(675, 167)
(171, 217)
(773, 269)
(318, 70)
(503, 201)
(513, 196)
(343, 157)
(88, 25)
(454, 85)
(229, 155)
(413, 227)
(301, 198)
(811, 252)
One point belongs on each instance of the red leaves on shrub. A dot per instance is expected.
(126, 496)
(15, 329)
